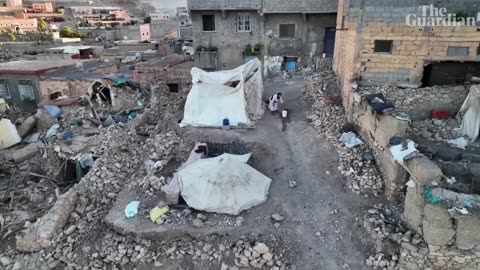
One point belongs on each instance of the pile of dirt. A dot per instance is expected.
(328, 117)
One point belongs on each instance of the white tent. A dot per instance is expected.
(8, 134)
(225, 184)
(471, 114)
(234, 94)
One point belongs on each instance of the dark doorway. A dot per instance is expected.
(449, 73)
(172, 87)
(329, 42)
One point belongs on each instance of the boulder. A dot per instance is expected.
(38, 236)
(423, 170)
(468, 228)
(413, 213)
(437, 225)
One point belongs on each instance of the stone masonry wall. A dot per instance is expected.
(419, 102)
(452, 240)
(230, 43)
(376, 130)
(147, 74)
(71, 88)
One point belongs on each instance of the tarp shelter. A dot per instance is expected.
(8, 134)
(224, 184)
(234, 94)
(3, 105)
(471, 114)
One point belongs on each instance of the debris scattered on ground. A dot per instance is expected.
(436, 130)
(328, 117)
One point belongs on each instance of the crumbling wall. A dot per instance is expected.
(177, 74)
(452, 238)
(112, 68)
(71, 88)
(308, 42)
(377, 129)
(344, 60)
(419, 102)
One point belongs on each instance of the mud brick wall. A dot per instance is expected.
(71, 88)
(376, 130)
(419, 102)
(147, 74)
(451, 243)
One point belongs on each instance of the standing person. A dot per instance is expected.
(274, 101)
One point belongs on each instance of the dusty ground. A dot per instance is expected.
(323, 218)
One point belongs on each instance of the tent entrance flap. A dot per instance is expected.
(234, 94)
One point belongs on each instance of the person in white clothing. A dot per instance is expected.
(274, 101)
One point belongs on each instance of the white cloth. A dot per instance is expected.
(225, 184)
(273, 102)
(213, 96)
(471, 114)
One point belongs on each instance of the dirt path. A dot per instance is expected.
(322, 229)
(324, 218)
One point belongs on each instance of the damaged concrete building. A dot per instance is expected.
(226, 34)
(406, 42)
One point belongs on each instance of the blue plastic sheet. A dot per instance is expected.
(131, 210)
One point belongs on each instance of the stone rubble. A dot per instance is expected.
(436, 130)
(328, 117)
(140, 156)
(388, 234)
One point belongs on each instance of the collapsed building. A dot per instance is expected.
(405, 69)
(376, 45)
(292, 34)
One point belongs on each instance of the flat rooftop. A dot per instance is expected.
(168, 62)
(34, 67)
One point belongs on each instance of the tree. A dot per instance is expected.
(148, 20)
(13, 37)
(67, 32)
(43, 25)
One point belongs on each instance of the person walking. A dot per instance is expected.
(274, 101)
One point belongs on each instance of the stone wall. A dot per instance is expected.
(452, 238)
(308, 42)
(169, 70)
(71, 88)
(376, 130)
(229, 42)
(419, 102)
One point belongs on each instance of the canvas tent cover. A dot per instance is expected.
(224, 184)
(471, 114)
(216, 95)
(8, 134)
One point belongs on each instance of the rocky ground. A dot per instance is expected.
(311, 220)
(328, 117)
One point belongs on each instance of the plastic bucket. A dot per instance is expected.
(284, 113)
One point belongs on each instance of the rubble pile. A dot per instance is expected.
(123, 156)
(328, 117)
(420, 101)
(436, 130)
(119, 251)
(384, 225)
